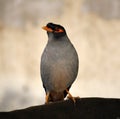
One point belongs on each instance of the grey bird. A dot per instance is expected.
(59, 64)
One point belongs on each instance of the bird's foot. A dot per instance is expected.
(47, 98)
(70, 96)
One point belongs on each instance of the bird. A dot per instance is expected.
(59, 64)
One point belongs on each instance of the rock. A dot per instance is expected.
(84, 108)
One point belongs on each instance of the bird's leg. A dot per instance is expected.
(70, 96)
(47, 98)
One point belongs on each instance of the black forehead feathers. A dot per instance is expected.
(54, 26)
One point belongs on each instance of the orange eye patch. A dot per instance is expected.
(59, 31)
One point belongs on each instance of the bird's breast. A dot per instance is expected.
(60, 65)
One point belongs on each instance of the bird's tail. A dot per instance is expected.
(56, 96)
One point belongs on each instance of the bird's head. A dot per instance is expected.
(55, 29)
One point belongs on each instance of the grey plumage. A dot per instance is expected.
(59, 65)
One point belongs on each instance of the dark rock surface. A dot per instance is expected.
(84, 108)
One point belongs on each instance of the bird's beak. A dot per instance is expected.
(47, 29)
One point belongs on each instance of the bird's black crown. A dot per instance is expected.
(56, 28)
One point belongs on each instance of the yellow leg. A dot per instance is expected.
(70, 96)
(47, 97)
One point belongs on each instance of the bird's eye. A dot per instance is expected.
(58, 30)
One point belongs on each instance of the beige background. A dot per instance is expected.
(94, 31)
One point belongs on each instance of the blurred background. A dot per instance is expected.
(93, 26)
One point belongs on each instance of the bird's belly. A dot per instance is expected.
(59, 81)
(60, 78)
(59, 69)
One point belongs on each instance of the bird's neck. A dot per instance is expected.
(52, 38)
